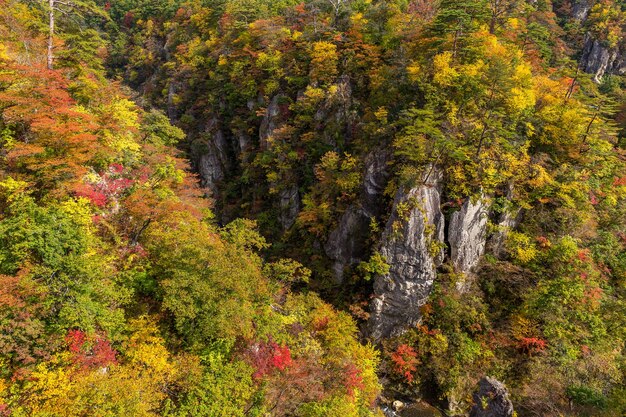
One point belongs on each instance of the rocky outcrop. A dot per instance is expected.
(337, 105)
(580, 9)
(289, 206)
(270, 122)
(598, 59)
(347, 243)
(335, 116)
(467, 234)
(243, 141)
(506, 221)
(374, 180)
(491, 400)
(415, 222)
(213, 159)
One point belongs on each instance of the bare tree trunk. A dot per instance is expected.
(50, 33)
(593, 119)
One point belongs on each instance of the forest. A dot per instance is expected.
(311, 208)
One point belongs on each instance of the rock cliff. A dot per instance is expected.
(347, 243)
(416, 222)
(213, 161)
(467, 234)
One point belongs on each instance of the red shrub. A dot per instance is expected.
(532, 345)
(281, 357)
(110, 186)
(96, 197)
(267, 357)
(129, 19)
(90, 352)
(617, 182)
(76, 340)
(353, 380)
(321, 324)
(405, 361)
(583, 255)
(543, 242)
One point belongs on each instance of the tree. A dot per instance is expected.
(459, 19)
(72, 10)
(500, 11)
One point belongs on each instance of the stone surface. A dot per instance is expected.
(599, 60)
(213, 161)
(289, 206)
(506, 221)
(406, 245)
(580, 9)
(270, 122)
(467, 234)
(375, 180)
(347, 243)
(397, 405)
(243, 141)
(491, 400)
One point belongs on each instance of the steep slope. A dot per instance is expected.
(448, 171)
(451, 173)
(119, 296)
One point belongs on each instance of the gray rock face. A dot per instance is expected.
(347, 243)
(598, 59)
(243, 141)
(467, 234)
(580, 9)
(270, 121)
(335, 109)
(491, 400)
(213, 162)
(374, 180)
(507, 220)
(289, 206)
(406, 244)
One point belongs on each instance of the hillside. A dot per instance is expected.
(318, 208)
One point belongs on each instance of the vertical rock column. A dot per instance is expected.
(467, 234)
(416, 222)
(213, 162)
(491, 400)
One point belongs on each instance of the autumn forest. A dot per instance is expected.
(312, 208)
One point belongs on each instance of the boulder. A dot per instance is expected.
(491, 400)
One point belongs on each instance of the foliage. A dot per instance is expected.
(124, 291)
(119, 296)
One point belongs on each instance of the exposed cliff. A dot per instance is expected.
(415, 224)
(467, 235)
(211, 157)
(347, 244)
(599, 59)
